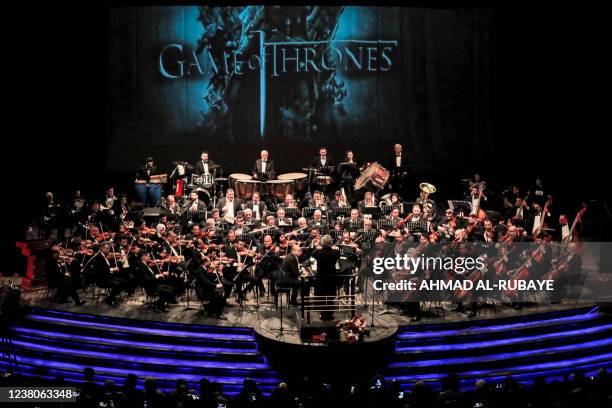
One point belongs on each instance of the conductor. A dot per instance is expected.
(326, 257)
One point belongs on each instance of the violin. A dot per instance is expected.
(104, 236)
(247, 252)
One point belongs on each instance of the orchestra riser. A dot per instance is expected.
(52, 343)
(548, 345)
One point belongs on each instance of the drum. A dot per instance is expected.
(245, 188)
(197, 180)
(208, 180)
(179, 191)
(142, 190)
(237, 176)
(300, 179)
(374, 177)
(324, 180)
(155, 193)
(203, 195)
(280, 188)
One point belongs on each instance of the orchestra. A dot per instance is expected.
(236, 235)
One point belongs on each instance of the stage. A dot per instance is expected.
(62, 339)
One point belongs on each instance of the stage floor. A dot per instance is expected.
(253, 315)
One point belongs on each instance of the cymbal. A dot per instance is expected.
(221, 179)
(181, 163)
(215, 166)
(309, 169)
(191, 186)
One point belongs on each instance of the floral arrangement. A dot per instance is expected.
(352, 331)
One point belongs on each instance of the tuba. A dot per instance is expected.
(385, 203)
(426, 190)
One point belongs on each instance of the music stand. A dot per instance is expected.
(417, 227)
(385, 224)
(337, 211)
(373, 211)
(292, 212)
(353, 225)
(460, 206)
(308, 211)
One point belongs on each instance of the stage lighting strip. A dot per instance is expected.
(28, 332)
(497, 328)
(62, 365)
(140, 359)
(138, 322)
(602, 358)
(504, 342)
(144, 330)
(503, 356)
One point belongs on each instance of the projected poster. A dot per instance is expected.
(235, 79)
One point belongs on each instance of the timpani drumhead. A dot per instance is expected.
(292, 176)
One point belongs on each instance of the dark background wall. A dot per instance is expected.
(539, 111)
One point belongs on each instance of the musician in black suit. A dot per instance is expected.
(354, 222)
(264, 167)
(146, 171)
(399, 168)
(208, 288)
(267, 264)
(318, 221)
(520, 210)
(281, 220)
(194, 203)
(155, 282)
(107, 275)
(63, 276)
(326, 258)
(322, 160)
(290, 269)
(339, 201)
(369, 200)
(229, 206)
(204, 165)
(258, 207)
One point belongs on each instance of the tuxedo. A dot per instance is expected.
(393, 161)
(318, 163)
(258, 168)
(543, 218)
(326, 268)
(291, 275)
(321, 224)
(154, 286)
(199, 167)
(470, 199)
(514, 210)
(261, 206)
(236, 205)
(206, 285)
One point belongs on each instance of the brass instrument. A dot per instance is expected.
(426, 190)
